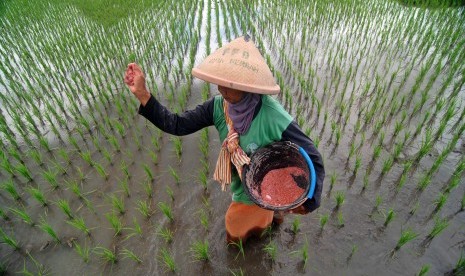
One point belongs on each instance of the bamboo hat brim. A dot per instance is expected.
(238, 65)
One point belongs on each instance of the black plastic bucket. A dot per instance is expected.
(280, 176)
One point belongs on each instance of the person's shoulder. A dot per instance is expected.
(273, 104)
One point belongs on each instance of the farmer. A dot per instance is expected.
(246, 117)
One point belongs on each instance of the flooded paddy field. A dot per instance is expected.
(89, 187)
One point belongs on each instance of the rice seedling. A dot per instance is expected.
(83, 252)
(8, 240)
(271, 250)
(106, 254)
(86, 156)
(148, 188)
(204, 220)
(79, 224)
(389, 217)
(126, 253)
(177, 142)
(174, 174)
(101, 170)
(438, 227)
(22, 170)
(148, 172)
(167, 259)
(4, 215)
(47, 228)
(136, 230)
(23, 215)
(358, 164)
(154, 157)
(340, 220)
(51, 177)
(459, 268)
(166, 234)
(63, 204)
(239, 245)
(203, 178)
(118, 204)
(125, 186)
(144, 208)
(405, 237)
(424, 270)
(340, 198)
(295, 225)
(38, 195)
(115, 223)
(323, 221)
(10, 188)
(170, 192)
(303, 252)
(440, 201)
(200, 251)
(166, 210)
(36, 156)
(125, 169)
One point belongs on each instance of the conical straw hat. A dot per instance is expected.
(238, 65)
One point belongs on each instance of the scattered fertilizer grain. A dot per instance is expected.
(279, 187)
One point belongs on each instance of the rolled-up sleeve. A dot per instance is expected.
(294, 134)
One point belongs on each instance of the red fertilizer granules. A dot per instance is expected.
(278, 187)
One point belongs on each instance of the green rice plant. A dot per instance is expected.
(204, 220)
(106, 254)
(166, 210)
(459, 267)
(10, 188)
(203, 178)
(8, 240)
(79, 224)
(125, 169)
(166, 234)
(323, 221)
(47, 228)
(170, 192)
(117, 204)
(148, 188)
(22, 170)
(271, 250)
(36, 156)
(4, 215)
(167, 259)
(114, 142)
(174, 174)
(23, 215)
(200, 251)
(101, 170)
(125, 186)
(303, 252)
(144, 208)
(84, 252)
(155, 142)
(440, 201)
(340, 198)
(64, 155)
(177, 143)
(51, 177)
(340, 220)
(154, 157)
(115, 223)
(462, 203)
(38, 195)
(295, 225)
(389, 217)
(405, 237)
(126, 253)
(358, 164)
(378, 201)
(81, 174)
(74, 186)
(424, 181)
(438, 227)
(148, 172)
(63, 204)
(424, 270)
(136, 230)
(87, 156)
(239, 246)
(387, 165)
(366, 181)
(332, 180)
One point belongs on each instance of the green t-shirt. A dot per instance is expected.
(267, 127)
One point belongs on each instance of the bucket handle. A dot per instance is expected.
(312, 172)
